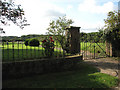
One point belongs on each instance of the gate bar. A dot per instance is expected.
(103, 50)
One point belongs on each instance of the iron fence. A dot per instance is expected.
(17, 51)
(92, 48)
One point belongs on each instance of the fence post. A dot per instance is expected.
(18, 49)
(63, 53)
(22, 50)
(94, 51)
(26, 52)
(8, 49)
(13, 49)
(3, 50)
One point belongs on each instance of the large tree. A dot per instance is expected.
(57, 28)
(112, 21)
(112, 29)
(11, 12)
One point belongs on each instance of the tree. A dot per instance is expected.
(57, 28)
(112, 29)
(11, 12)
(112, 21)
(92, 37)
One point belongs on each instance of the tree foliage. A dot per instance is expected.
(57, 28)
(112, 22)
(11, 12)
(112, 29)
(92, 37)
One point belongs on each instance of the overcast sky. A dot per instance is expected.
(87, 14)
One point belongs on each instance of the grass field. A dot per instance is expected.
(82, 76)
(21, 52)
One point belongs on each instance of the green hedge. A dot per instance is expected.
(33, 42)
(26, 42)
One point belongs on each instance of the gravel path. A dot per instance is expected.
(107, 66)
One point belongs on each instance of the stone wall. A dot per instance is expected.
(32, 67)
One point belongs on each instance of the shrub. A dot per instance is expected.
(26, 42)
(33, 42)
(48, 44)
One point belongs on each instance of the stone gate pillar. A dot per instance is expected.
(111, 51)
(108, 48)
(74, 39)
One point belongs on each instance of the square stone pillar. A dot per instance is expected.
(74, 39)
(111, 51)
(108, 48)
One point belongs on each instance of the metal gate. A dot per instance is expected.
(92, 45)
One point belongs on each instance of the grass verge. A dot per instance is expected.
(81, 76)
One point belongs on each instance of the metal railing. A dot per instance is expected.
(17, 51)
(92, 50)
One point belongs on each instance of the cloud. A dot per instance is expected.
(88, 26)
(119, 5)
(54, 13)
(108, 1)
(38, 14)
(92, 7)
(69, 7)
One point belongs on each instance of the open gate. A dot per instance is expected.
(92, 45)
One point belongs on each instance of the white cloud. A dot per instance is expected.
(108, 1)
(38, 14)
(92, 7)
(69, 7)
(87, 26)
(119, 5)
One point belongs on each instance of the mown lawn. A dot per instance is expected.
(22, 52)
(81, 76)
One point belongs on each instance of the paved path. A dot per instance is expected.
(107, 65)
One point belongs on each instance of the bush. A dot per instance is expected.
(48, 44)
(26, 42)
(113, 37)
(33, 42)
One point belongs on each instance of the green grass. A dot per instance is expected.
(38, 52)
(84, 76)
(22, 52)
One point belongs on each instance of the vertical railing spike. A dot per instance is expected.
(13, 50)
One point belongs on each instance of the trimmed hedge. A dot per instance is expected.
(26, 42)
(33, 42)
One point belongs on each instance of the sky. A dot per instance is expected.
(119, 5)
(87, 14)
